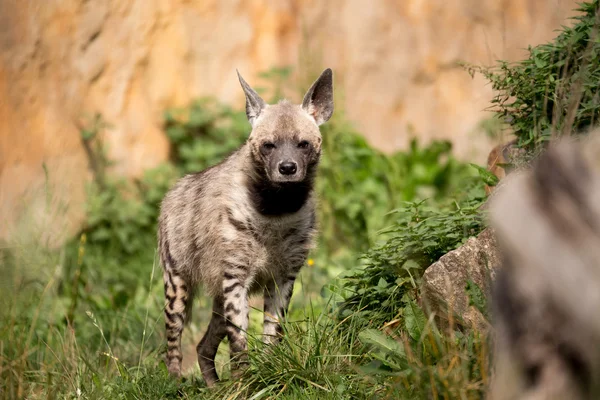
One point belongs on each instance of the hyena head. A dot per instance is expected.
(285, 142)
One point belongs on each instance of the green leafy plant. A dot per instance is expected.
(555, 90)
(204, 133)
(419, 361)
(420, 236)
(358, 186)
(121, 230)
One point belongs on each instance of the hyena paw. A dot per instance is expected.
(174, 369)
(239, 367)
(238, 372)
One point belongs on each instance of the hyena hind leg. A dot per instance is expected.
(179, 299)
(208, 346)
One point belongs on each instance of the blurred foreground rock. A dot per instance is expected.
(444, 282)
(546, 296)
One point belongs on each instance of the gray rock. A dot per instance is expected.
(445, 281)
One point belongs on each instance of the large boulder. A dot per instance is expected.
(445, 281)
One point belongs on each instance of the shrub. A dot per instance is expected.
(556, 89)
(391, 276)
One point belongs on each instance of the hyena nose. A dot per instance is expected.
(288, 168)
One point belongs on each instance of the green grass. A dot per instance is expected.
(118, 354)
(85, 321)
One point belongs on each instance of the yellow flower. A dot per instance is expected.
(310, 262)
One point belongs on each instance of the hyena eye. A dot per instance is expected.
(303, 144)
(268, 146)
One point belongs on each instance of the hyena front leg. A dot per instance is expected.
(177, 296)
(277, 299)
(208, 346)
(235, 304)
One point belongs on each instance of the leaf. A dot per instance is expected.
(411, 264)
(488, 178)
(176, 133)
(88, 134)
(540, 63)
(414, 320)
(477, 298)
(382, 342)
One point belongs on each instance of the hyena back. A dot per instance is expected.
(243, 226)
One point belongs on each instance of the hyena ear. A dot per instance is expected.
(318, 101)
(254, 103)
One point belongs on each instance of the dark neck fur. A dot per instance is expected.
(274, 199)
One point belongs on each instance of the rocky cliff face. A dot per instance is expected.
(395, 64)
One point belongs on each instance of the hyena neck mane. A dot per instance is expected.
(275, 199)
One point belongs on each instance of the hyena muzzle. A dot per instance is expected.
(244, 225)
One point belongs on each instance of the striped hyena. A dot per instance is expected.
(547, 293)
(243, 226)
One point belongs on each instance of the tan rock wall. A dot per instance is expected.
(395, 65)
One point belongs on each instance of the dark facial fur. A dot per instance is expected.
(278, 198)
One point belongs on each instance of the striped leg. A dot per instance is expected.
(277, 299)
(177, 296)
(235, 304)
(208, 346)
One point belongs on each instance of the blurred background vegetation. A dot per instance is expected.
(84, 320)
